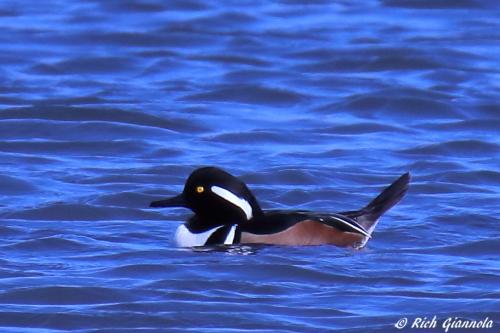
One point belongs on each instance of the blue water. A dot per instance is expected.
(107, 105)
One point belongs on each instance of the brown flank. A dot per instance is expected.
(307, 232)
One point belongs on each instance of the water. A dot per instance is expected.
(107, 105)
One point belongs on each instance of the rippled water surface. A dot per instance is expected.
(107, 105)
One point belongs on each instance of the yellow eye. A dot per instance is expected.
(200, 189)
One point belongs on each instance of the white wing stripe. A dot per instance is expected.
(234, 199)
(355, 227)
(230, 236)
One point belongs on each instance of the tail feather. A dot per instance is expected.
(369, 215)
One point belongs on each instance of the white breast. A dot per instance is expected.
(186, 238)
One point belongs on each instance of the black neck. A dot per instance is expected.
(198, 224)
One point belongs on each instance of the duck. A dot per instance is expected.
(227, 213)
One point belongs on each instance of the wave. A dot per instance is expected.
(81, 212)
(439, 4)
(58, 295)
(86, 65)
(464, 148)
(53, 243)
(108, 115)
(15, 186)
(249, 94)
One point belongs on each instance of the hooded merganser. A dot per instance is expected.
(226, 212)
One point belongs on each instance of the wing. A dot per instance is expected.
(343, 222)
(275, 221)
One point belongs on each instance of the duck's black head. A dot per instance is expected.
(216, 197)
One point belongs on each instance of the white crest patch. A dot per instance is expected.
(234, 199)
(186, 238)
